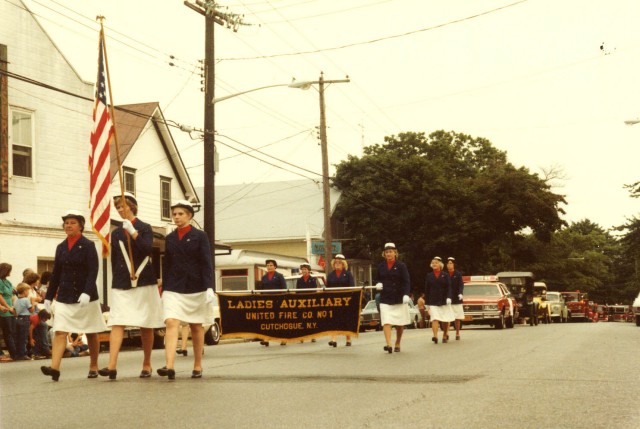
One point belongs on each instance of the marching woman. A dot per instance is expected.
(307, 281)
(396, 285)
(187, 287)
(133, 302)
(457, 289)
(438, 299)
(272, 280)
(340, 277)
(73, 285)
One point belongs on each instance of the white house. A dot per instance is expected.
(45, 126)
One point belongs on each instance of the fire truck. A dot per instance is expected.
(578, 304)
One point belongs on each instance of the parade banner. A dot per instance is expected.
(290, 316)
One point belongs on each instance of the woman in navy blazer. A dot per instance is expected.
(457, 289)
(272, 280)
(438, 299)
(340, 276)
(73, 286)
(187, 287)
(134, 302)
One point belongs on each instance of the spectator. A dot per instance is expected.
(32, 280)
(23, 308)
(7, 313)
(38, 338)
(77, 345)
(44, 283)
(422, 310)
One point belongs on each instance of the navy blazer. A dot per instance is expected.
(437, 290)
(457, 287)
(345, 279)
(276, 282)
(140, 248)
(396, 282)
(187, 266)
(311, 283)
(74, 272)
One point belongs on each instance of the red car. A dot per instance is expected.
(488, 302)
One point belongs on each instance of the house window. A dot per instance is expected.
(165, 198)
(129, 180)
(21, 136)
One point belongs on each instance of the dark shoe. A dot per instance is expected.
(388, 349)
(284, 343)
(196, 374)
(145, 374)
(92, 374)
(182, 352)
(396, 349)
(53, 373)
(445, 339)
(112, 373)
(348, 344)
(264, 343)
(435, 340)
(457, 337)
(333, 344)
(166, 372)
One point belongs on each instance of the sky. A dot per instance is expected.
(549, 82)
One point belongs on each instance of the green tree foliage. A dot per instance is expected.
(447, 194)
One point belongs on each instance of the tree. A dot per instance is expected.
(445, 194)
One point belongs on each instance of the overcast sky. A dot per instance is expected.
(550, 82)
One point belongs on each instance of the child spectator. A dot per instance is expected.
(38, 338)
(33, 279)
(23, 307)
(77, 345)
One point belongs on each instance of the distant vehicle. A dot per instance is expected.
(578, 304)
(370, 316)
(636, 309)
(292, 280)
(540, 297)
(617, 313)
(520, 285)
(557, 307)
(488, 302)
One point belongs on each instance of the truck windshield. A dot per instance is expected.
(481, 290)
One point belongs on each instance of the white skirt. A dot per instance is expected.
(458, 311)
(190, 308)
(394, 314)
(74, 318)
(442, 313)
(139, 306)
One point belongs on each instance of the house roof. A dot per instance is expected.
(130, 121)
(269, 211)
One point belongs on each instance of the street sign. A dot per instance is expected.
(317, 247)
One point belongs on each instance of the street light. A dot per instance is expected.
(326, 202)
(293, 84)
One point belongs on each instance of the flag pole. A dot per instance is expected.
(115, 137)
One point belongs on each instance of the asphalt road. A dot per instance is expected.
(575, 375)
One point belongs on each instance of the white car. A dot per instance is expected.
(559, 310)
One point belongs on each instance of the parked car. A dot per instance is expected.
(370, 316)
(292, 280)
(520, 286)
(488, 302)
(636, 309)
(557, 306)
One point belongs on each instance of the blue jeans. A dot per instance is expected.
(22, 335)
(41, 347)
(8, 325)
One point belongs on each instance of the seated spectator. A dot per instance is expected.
(23, 308)
(38, 338)
(77, 345)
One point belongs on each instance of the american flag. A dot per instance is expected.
(99, 162)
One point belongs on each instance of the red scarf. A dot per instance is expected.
(305, 277)
(451, 273)
(390, 263)
(436, 273)
(338, 273)
(270, 275)
(72, 240)
(182, 231)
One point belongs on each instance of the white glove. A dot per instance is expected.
(448, 301)
(84, 299)
(47, 305)
(209, 296)
(406, 299)
(379, 286)
(460, 297)
(128, 226)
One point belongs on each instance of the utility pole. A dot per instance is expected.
(212, 16)
(326, 199)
